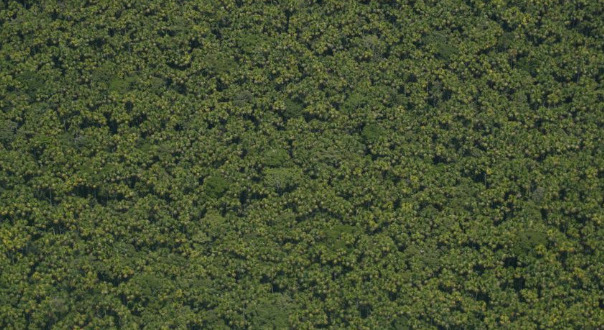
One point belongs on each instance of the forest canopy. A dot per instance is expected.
(301, 164)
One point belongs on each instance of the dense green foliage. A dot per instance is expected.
(301, 164)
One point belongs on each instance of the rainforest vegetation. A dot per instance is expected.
(249, 164)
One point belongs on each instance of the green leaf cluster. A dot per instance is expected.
(301, 164)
